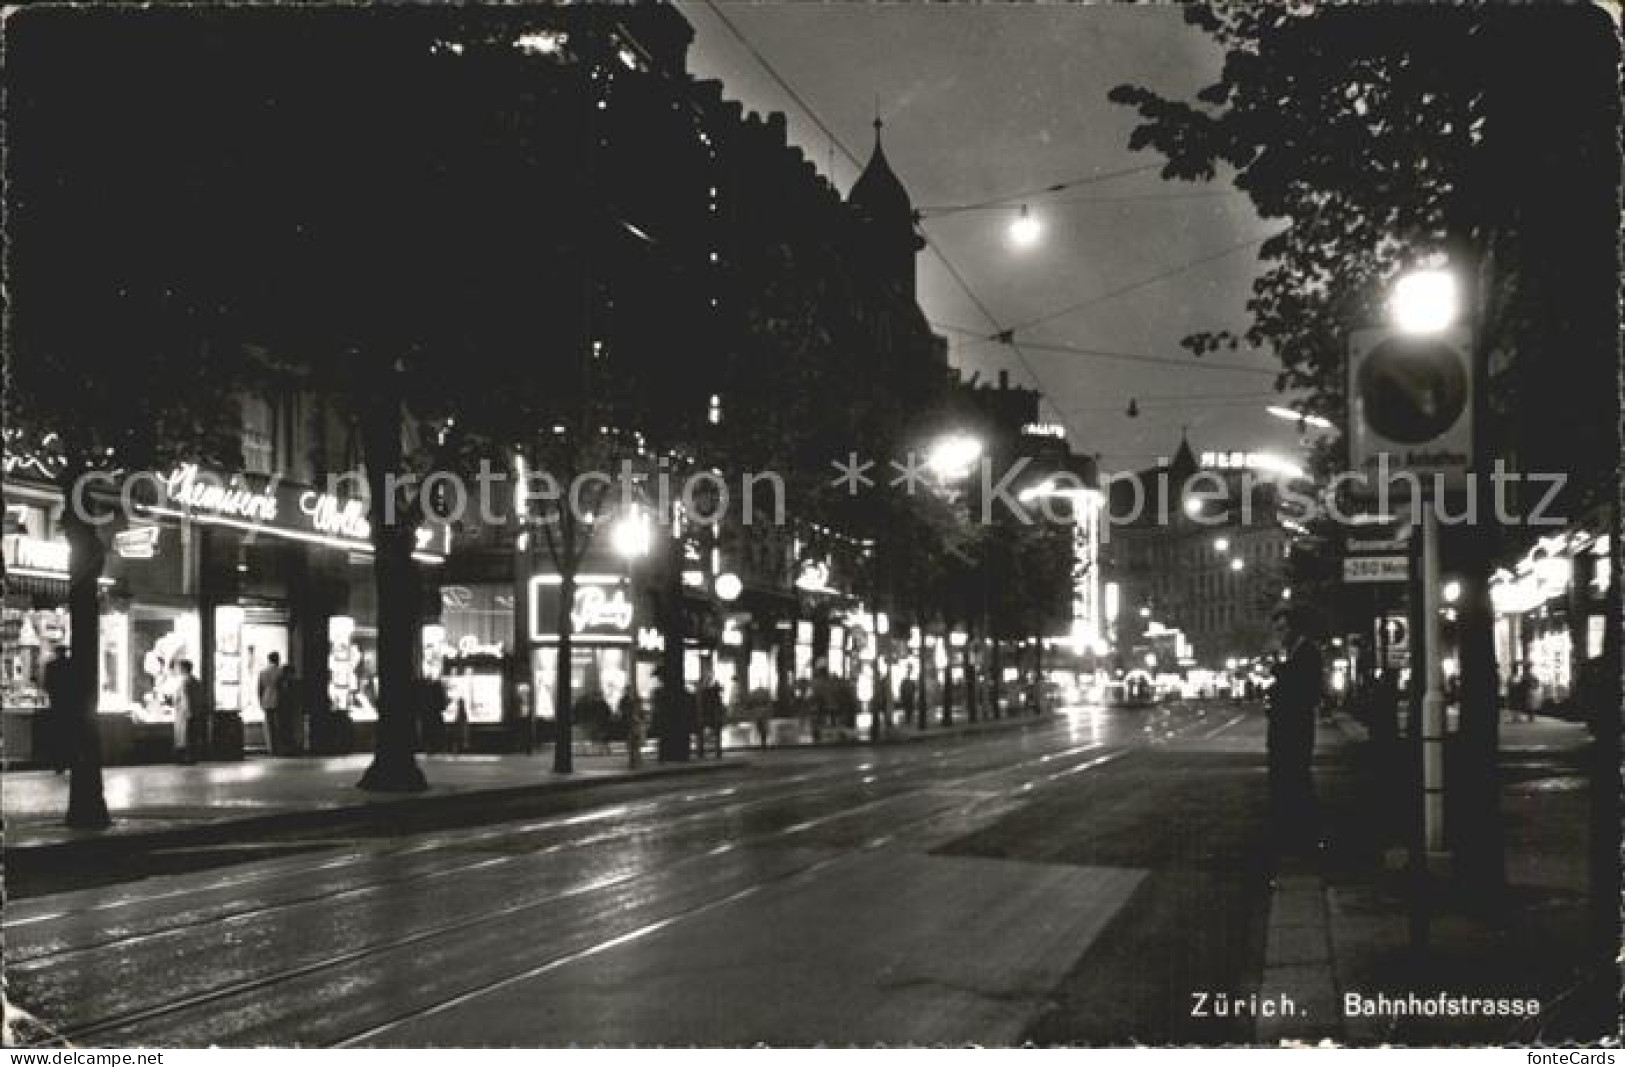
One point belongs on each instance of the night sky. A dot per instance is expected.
(984, 102)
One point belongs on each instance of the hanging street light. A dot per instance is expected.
(1025, 230)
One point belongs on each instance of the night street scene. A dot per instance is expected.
(866, 525)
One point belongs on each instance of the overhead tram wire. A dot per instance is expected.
(953, 271)
(1195, 363)
(1160, 276)
(1057, 187)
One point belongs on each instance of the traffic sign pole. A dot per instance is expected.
(1432, 693)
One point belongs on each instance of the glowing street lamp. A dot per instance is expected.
(1425, 301)
(630, 536)
(1025, 230)
(953, 457)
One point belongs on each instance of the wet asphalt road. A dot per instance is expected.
(1071, 882)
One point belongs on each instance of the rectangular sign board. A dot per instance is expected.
(1379, 544)
(1376, 569)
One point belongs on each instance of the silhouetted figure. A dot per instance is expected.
(711, 715)
(460, 739)
(53, 723)
(1296, 696)
(432, 710)
(191, 715)
(630, 712)
(270, 688)
(594, 713)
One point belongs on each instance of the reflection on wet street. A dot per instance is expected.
(935, 892)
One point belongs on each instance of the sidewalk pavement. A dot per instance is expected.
(1340, 916)
(164, 804)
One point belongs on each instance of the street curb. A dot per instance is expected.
(384, 809)
(1299, 964)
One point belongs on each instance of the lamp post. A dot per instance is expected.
(1426, 302)
(952, 458)
(630, 538)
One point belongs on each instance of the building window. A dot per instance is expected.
(259, 435)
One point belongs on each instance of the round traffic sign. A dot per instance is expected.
(1414, 388)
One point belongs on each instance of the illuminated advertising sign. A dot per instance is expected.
(257, 504)
(600, 611)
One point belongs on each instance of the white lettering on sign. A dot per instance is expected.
(469, 645)
(329, 515)
(596, 607)
(1044, 429)
(184, 486)
(1376, 569)
(33, 553)
(138, 542)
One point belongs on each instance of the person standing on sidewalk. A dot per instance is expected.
(191, 715)
(52, 723)
(1295, 698)
(271, 688)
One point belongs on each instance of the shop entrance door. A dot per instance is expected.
(245, 639)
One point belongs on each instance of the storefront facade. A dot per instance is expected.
(220, 570)
(1551, 614)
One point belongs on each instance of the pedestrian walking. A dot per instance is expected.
(1295, 698)
(53, 724)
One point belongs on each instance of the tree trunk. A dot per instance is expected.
(1604, 712)
(394, 767)
(995, 680)
(563, 696)
(676, 727)
(87, 802)
(966, 657)
(1038, 674)
(1482, 863)
(947, 677)
(919, 700)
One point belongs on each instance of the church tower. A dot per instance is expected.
(890, 237)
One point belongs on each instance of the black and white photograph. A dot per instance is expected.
(705, 524)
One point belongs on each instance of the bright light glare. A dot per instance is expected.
(1193, 506)
(1298, 416)
(1236, 564)
(1026, 230)
(1452, 592)
(953, 457)
(1276, 465)
(1425, 301)
(1221, 544)
(630, 536)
